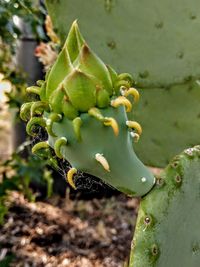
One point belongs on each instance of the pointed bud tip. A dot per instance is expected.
(75, 23)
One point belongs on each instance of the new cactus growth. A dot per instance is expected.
(83, 106)
(160, 48)
(167, 230)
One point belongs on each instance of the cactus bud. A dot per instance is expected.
(85, 117)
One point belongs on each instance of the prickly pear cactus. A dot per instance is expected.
(160, 48)
(83, 106)
(167, 230)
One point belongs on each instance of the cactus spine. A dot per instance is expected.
(83, 106)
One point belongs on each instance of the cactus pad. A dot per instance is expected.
(167, 230)
(162, 46)
(83, 106)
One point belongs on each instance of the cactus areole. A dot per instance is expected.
(83, 106)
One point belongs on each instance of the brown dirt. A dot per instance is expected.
(66, 233)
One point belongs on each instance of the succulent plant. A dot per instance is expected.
(83, 106)
(167, 229)
(160, 49)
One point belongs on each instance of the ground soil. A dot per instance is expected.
(61, 232)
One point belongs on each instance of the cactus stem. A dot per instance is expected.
(77, 122)
(103, 161)
(113, 123)
(33, 90)
(38, 146)
(59, 142)
(54, 117)
(122, 100)
(34, 121)
(70, 176)
(134, 125)
(131, 91)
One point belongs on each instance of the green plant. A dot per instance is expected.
(18, 173)
(160, 49)
(27, 169)
(7, 260)
(10, 31)
(167, 229)
(83, 105)
(32, 12)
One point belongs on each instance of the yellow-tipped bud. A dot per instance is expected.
(126, 77)
(96, 113)
(70, 176)
(134, 125)
(113, 123)
(122, 100)
(58, 144)
(77, 122)
(133, 92)
(33, 90)
(103, 161)
(38, 146)
(123, 83)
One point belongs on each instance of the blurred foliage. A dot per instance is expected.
(7, 260)
(23, 171)
(18, 173)
(33, 14)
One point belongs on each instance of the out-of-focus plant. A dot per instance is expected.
(18, 173)
(47, 52)
(32, 12)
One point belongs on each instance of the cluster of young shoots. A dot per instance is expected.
(79, 82)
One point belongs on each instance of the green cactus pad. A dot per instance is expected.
(83, 109)
(170, 120)
(156, 41)
(167, 229)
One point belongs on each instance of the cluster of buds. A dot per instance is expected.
(82, 96)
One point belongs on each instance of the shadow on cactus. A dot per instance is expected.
(83, 106)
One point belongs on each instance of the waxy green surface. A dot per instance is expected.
(127, 172)
(157, 41)
(170, 120)
(167, 230)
